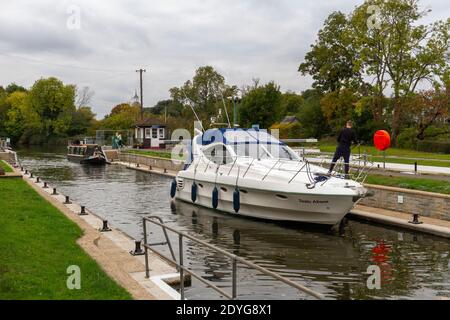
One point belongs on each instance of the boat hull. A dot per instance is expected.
(83, 160)
(307, 208)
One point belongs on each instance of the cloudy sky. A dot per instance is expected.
(242, 39)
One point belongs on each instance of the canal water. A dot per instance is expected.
(333, 262)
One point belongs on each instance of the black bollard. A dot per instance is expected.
(415, 219)
(137, 250)
(105, 227)
(415, 167)
(137, 165)
(83, 211)
(150, 168)
(67, 200)
(21, 169)
(54, 192)
(165, 170)
(38, 180)
(45, 185)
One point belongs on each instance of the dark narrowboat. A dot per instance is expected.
(86, 154)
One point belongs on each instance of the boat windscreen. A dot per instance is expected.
(249, 137)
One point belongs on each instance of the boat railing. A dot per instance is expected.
(183, 268)
(302, 165)
(360, 166)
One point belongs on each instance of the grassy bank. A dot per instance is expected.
(438, 186)
(5, 166)
(38, 244)
(151, 153)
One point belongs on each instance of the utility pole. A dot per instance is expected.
(142, 97)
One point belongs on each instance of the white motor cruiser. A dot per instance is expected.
(251, 173)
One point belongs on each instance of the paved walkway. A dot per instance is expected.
(400, 167)
(432, 226)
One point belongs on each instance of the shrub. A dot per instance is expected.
(407, 139)
(434, 146)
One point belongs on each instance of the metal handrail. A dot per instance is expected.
(234, 258)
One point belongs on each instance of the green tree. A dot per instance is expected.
(14, 87)
(398, 51)
(54, 103)
(331, 60)
(173, 108)
(290, 104)
(311, 117)
(261, 106)
(22, 120)
(83, 119)
(122, 117)
(204, 93)
(337, 107)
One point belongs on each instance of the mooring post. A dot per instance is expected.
(415, 167)
(38, 180)
(45, 185)
(31, 174)
(83, 211)
(105, 227)
(137, 249)
(54, 192)
(67, 200)
(415, 219)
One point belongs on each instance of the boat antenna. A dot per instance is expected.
(193, 110)
(224, 106)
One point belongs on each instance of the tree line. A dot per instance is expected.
(371, 66)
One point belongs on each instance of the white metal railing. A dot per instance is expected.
(359, 168)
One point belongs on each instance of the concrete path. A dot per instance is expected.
(410, 168)
(432, 226)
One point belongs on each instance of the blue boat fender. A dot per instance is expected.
(173, 188)
(236, 200)
(194, 190)
(215, 198)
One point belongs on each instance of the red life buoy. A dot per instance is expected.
(382, 140)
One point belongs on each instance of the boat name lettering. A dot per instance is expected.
(313, 201)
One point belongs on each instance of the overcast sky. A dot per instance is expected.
(245, 39)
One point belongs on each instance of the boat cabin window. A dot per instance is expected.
(279, 151)
(255, 151)
(218, 154)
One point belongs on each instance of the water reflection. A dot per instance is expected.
(333, 262)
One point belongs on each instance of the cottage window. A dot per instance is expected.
(147, 133)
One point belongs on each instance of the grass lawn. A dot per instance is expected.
(37, 244)
(5, 166)
(151, 153)
(439, 186)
